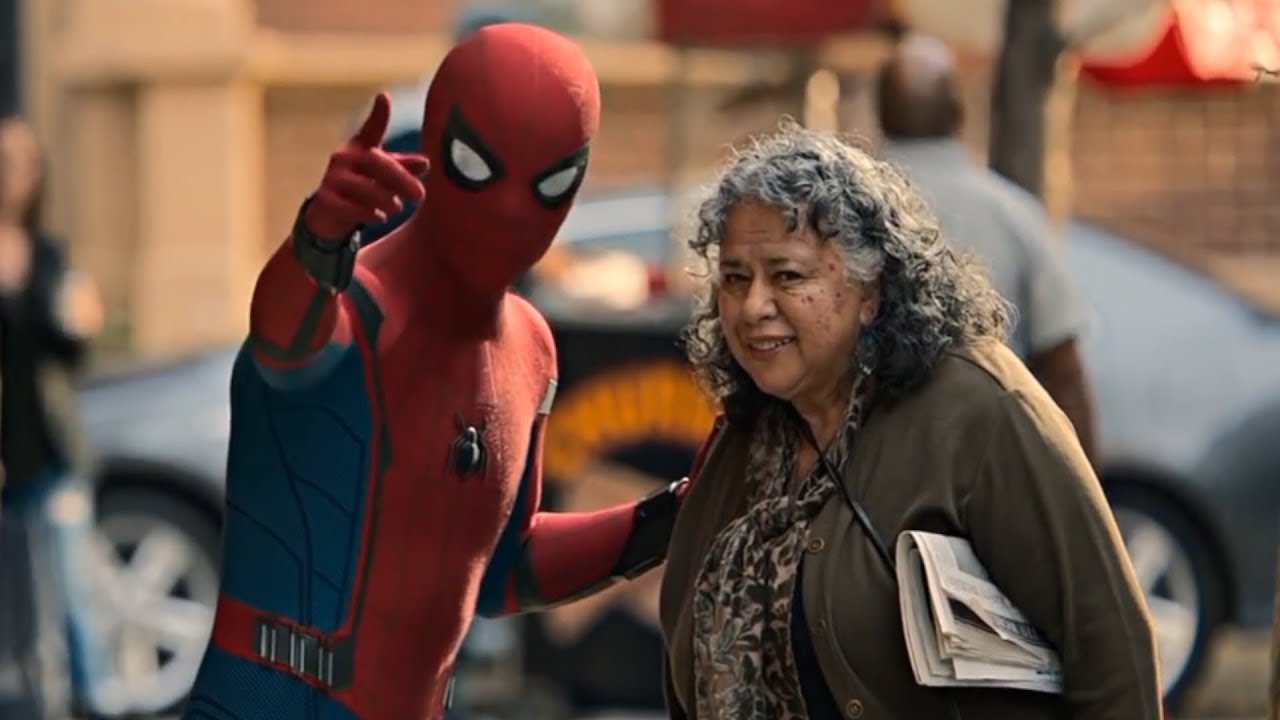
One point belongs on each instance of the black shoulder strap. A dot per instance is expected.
(864, 520)
(859, 513)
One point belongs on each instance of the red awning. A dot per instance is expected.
(744, 23)
(1203, 43)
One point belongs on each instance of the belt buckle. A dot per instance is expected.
(306, 654)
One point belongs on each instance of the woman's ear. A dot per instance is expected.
(870, 303)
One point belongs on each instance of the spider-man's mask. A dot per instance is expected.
(507, 124)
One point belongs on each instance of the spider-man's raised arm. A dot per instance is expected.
(547, 558)
(295, 310)
(293, 314)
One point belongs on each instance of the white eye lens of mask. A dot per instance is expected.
(468, 161)
(558, 184)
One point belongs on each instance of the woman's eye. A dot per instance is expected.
(734, 278)
(787, 276)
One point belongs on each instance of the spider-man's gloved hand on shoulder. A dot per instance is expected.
(655, 517)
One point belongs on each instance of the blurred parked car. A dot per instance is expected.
(1186, 374)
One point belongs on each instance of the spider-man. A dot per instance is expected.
(388, 409)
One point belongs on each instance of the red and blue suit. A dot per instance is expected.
(389, 406)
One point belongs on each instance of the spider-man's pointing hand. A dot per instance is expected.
(364, 183)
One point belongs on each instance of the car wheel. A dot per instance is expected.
(1176, 572)
(160, 577)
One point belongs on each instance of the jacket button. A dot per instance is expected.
(816, 545)
(853, 709)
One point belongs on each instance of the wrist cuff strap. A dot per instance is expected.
(331, 263)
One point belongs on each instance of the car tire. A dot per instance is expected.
(1183, 588)
(128, 513)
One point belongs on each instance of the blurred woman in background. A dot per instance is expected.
(48, 314)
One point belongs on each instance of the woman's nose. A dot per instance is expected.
(759, 303)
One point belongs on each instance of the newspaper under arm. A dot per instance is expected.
(960, 629)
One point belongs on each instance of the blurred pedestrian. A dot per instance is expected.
(48, 314)
(836, 316)
(921, 111)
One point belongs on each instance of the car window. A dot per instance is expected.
(653, 246)
(631, 222)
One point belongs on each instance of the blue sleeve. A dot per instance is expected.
(507, 554)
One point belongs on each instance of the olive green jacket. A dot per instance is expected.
(978, 451)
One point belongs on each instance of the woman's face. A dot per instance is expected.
(790, 314)
(19, 167)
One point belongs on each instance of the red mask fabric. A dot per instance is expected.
(507, 126)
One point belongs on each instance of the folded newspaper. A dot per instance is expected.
(961, 631)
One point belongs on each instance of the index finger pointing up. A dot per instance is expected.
(375, 126)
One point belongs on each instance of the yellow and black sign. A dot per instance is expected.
(655, 401)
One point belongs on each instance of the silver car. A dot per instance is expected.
(1185, 372)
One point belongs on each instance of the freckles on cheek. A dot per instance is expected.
(829, 313)
(819, 309)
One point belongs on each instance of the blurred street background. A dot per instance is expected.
(179, 136)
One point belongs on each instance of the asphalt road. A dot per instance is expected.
(1235, 685)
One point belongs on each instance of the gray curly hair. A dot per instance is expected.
(932, 296)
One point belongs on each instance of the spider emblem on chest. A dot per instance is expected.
(468, 455)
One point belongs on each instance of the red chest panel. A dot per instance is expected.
(435, 524)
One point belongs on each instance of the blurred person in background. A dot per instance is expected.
(48, 314)
(921, 110)
(860, 362)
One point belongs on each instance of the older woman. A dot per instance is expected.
(836, 317)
